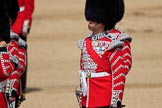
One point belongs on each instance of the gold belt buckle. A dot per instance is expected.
(88, 74)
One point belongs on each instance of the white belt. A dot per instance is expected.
(95, 75)
(83, 75)
(2, 85)
(22, 8)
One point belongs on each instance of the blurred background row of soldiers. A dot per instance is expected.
(15, 25)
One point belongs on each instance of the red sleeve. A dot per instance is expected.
(13, 82)
(126, 50)
(29, 9)
(14, 78)
(22, 60)
(117, 65)
(118, 75)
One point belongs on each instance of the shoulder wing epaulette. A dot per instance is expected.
(80, 43)
(124, 37)
(115, 44)
(14, 35)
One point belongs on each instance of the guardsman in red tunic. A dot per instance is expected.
(22, 27)
(105, 55)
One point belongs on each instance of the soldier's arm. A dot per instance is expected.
(22, 55)
(127, 56)
(29, 9)
(126, 50)
(116, 60)
(12, 87)
(118, 76)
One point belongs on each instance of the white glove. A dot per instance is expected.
(26, 28)
(22, 43)
(83, 82)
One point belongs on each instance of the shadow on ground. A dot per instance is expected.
(33, 89)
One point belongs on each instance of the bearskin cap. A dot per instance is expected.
(5, 33)
(107, 12)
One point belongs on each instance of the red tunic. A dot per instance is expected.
(24, 17)
(6, 69)
(103, 53)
